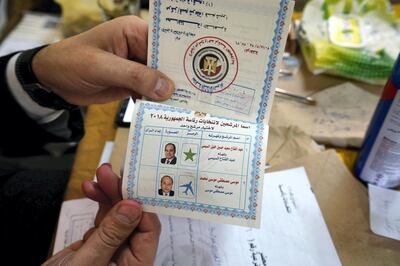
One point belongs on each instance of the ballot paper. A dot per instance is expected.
(222, 56)
(384, 211)
(215, 172)
(293, 231)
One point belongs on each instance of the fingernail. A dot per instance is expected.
(108, 164)
(162, 87)
(127, 214)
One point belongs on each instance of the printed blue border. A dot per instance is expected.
(156, 33)
(257, 155)
(273, 58)
(178, 204)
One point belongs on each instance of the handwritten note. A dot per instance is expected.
(221, 54)
(194, 164)
(384, 206)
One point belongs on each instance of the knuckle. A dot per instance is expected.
(135, 74)
(142, 80)
(109, 235)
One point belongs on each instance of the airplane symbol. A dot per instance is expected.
(188, 187)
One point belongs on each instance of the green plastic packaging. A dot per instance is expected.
(358, 39)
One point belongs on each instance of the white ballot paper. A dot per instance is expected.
(201, 154)
(384, 211)
(293, 231)
(214, 169)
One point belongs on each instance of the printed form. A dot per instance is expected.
(201, 154)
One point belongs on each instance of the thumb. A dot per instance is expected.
(114, 71)
(116, 227)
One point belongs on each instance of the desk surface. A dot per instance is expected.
(99, 127)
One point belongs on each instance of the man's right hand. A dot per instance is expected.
(101, 65)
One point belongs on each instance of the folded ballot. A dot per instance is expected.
(201, 154)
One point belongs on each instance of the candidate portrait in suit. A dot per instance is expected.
(169, 152)
(166, 186)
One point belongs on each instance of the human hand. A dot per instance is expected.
(102, 65)
(123, 234)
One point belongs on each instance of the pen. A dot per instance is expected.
(303, 99)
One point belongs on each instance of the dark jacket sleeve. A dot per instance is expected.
(19, 134)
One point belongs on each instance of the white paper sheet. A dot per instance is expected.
(33, 30)
(105, 154)
(293, 232)
(76, 217)
(384, 208)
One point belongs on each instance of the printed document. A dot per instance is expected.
(201, 154)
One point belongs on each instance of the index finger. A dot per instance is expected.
(109, 183)
(136, 31)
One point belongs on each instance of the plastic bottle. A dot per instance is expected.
(379, 160)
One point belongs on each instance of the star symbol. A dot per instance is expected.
(189, 155)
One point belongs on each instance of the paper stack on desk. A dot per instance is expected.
(201, 154)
